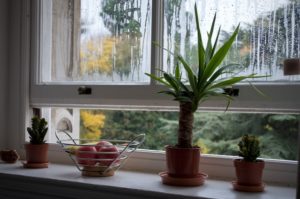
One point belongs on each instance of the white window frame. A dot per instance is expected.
(281, 98)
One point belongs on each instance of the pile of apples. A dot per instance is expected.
(103, 153)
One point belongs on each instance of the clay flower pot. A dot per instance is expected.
(36, 153)
(182, 162)
(249, 173)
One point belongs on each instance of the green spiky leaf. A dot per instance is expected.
(38, 130)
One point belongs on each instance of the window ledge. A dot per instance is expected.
(65, 181)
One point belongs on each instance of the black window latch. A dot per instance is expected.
(84, 90)
(231, 91)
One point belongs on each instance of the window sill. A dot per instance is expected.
(65, 181)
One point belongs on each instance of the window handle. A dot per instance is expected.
(232, 91)
(84, 90)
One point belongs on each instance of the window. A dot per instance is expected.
(65, 57)
(215, 132)
(98, 41)
(107, 46)
(269, 33)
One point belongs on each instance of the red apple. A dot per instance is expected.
(86, 155)
(101, 144)
(107, 154)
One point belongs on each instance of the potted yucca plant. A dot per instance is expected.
(249, 170)
(200, 85)
(37, 149)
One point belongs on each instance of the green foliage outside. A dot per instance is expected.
(215, 133)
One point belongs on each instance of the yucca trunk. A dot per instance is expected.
(185, 129)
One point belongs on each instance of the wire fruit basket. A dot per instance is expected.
(98, 157)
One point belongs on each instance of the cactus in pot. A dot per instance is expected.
(249, 169)
(37, 148)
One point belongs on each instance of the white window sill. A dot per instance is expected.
(65, 181)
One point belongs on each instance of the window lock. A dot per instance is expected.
(84, 90)
(231, 91)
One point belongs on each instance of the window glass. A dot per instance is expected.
(214, 132)
(99, 41)
(269, 33)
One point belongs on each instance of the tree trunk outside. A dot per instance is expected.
(185, 130)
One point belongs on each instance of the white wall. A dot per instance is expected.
(16, 71)
(3, 70)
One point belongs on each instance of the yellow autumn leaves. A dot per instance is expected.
(105, 55)
(96, 55)
(91, 125)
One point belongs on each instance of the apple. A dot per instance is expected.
(101, 144)
(107, 154)
(86, 155)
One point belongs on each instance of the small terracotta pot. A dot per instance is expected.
(182, 162)
(36, 153)
(291, 66)
(249, 173)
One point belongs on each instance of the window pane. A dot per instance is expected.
(214, 132)
(100, 41)
(269, 33)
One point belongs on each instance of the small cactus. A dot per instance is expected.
(249, 148)
(38, 130)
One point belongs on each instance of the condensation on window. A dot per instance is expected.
(100, 41)
(269, 33)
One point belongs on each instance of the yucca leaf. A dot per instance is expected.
(216, 42)
(190, 74)
(165, 49)
(184, 86)
(229, 99)
(177, 72)
(171, 81)
(220, 71)
(230, 81)
(217, 94)
(217, 59)
(195, 105)
(201, 51)
(257, 90)
(159, 79)
(183, 99)
(172, 93)
(208, 51)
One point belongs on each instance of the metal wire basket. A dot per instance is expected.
(98, 157)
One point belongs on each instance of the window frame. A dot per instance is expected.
(34, 95)
(280, 97)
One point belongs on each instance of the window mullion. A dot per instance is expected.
(157, 36)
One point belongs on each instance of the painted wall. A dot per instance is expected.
(3, 69)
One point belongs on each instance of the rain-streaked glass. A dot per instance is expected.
(269, 33)
(100, 41)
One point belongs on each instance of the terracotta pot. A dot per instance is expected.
(291, 66)
(249, 173)
(36, 153)
(182, 162)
